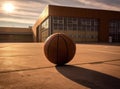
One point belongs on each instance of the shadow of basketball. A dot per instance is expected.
(89, 78)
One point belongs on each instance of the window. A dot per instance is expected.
(88, 24)
(87, 27)
(72, 23)
(45, 25)
(58, 23)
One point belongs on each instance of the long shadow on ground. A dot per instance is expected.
(89, 78)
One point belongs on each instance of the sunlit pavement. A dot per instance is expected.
(24, 66)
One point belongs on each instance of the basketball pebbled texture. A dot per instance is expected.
(59, 49)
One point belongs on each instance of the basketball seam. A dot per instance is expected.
(66, 46)
(57, 49)
(49, 49)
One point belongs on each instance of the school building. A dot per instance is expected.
(80, 24)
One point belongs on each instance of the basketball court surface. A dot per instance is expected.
(94, 66)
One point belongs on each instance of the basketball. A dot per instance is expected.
(59, 49)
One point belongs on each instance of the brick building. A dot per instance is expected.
(80, 24)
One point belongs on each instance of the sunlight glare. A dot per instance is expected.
(8, 7)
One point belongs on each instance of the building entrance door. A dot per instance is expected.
(114, 30)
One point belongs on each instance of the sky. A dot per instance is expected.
(27, 12)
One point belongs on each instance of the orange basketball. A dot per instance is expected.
(59, 49)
